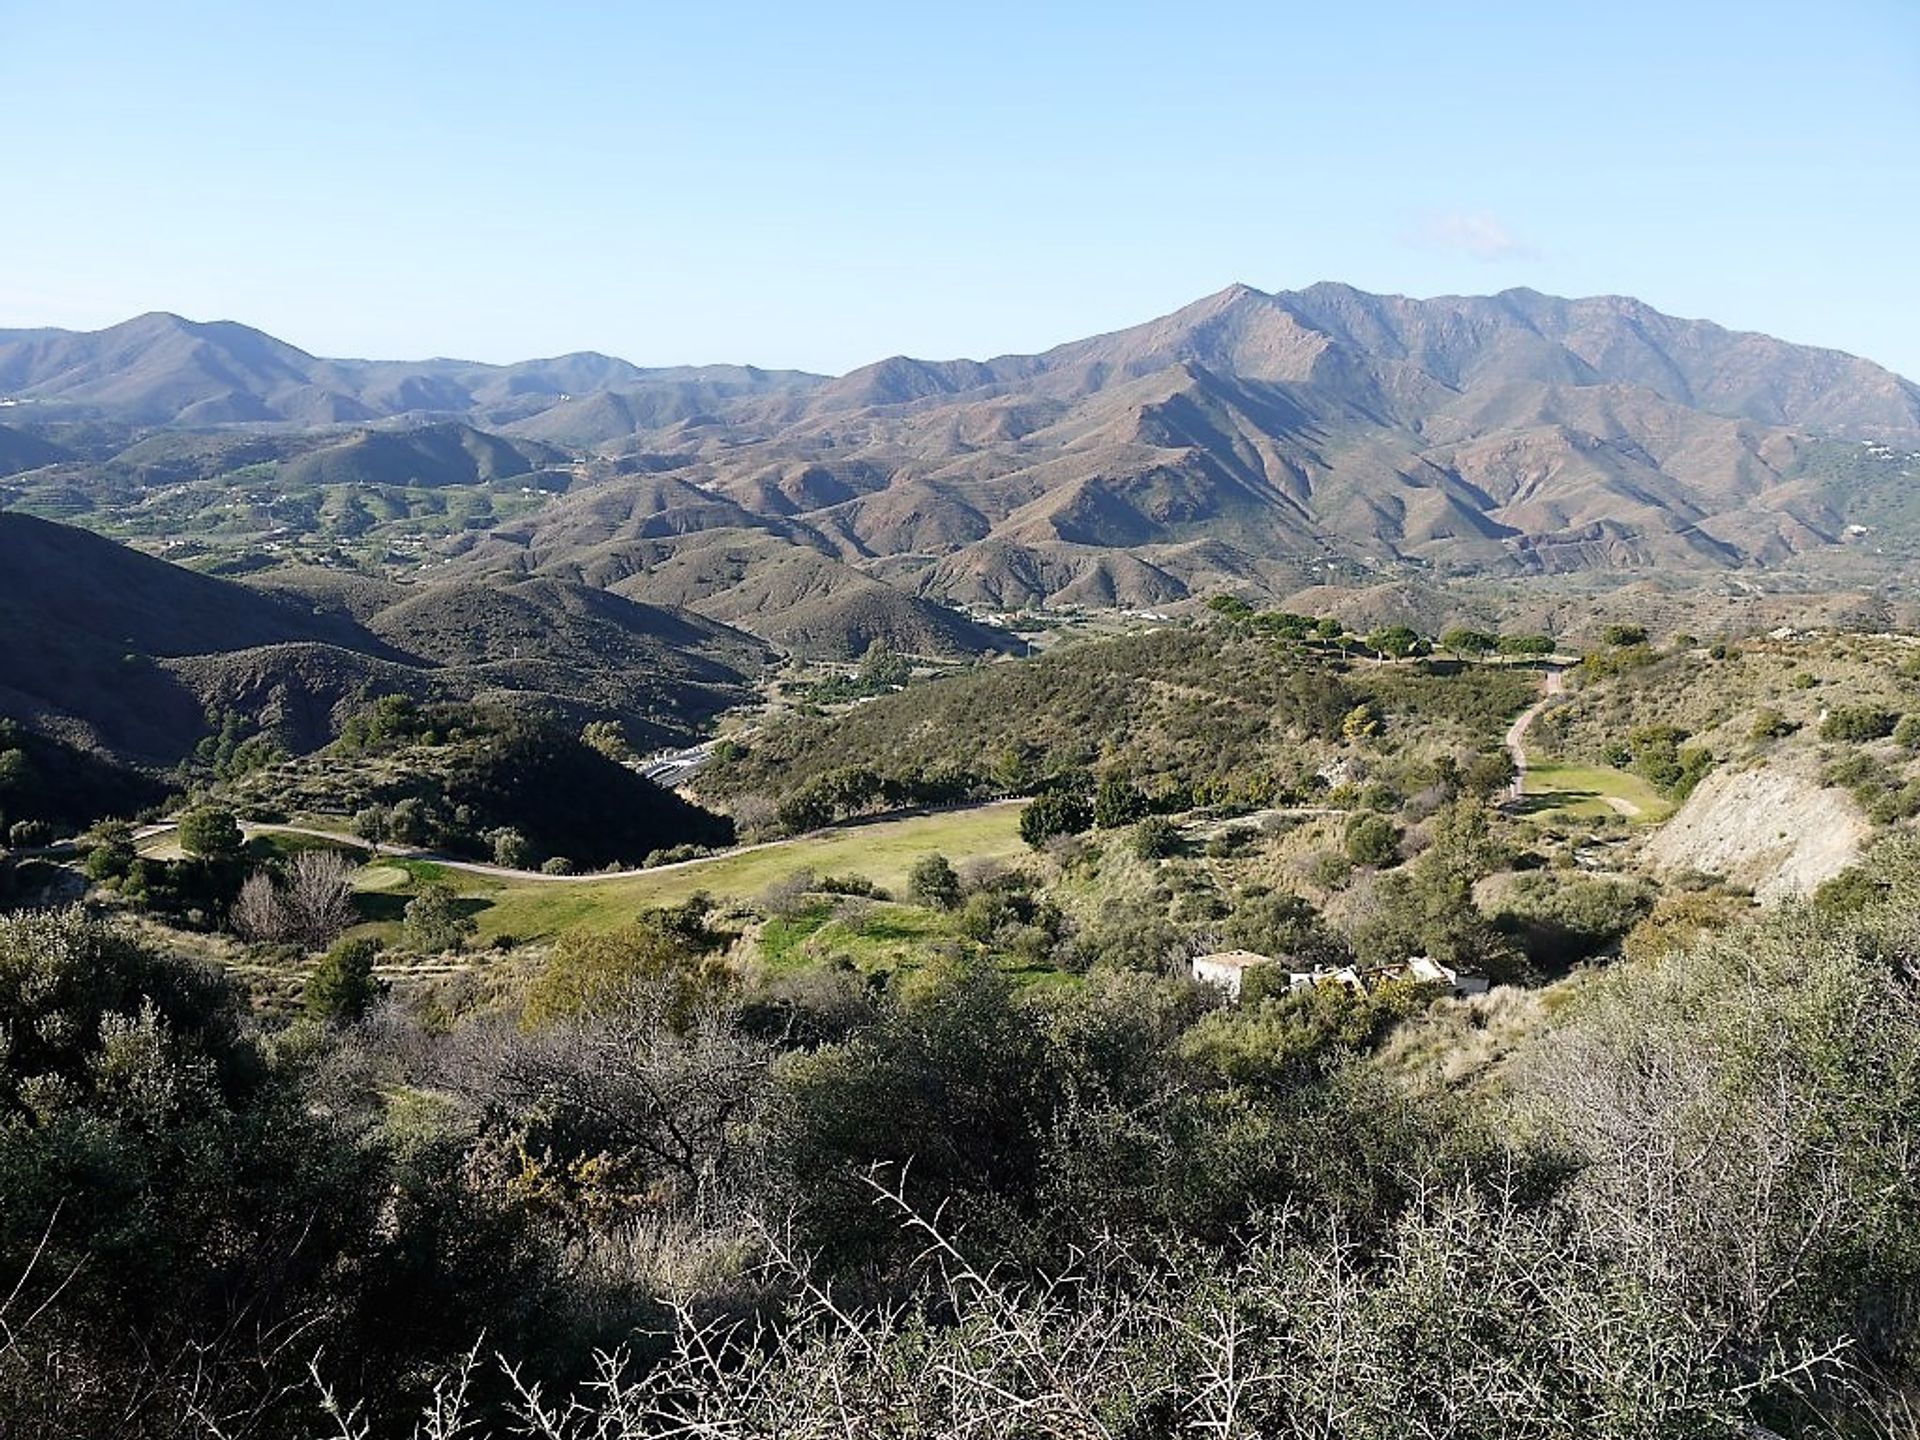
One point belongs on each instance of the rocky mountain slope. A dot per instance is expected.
(1260, 442)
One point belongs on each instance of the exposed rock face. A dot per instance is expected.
(1775, 829)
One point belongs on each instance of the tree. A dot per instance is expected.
(259, 911)
(934, 882)
(669, 952)
(1525, 645)
(1058, 812)
(210, 831)
(1619, 635)
(319, 897)
(371, 823)
(435, 920)
(1469, 642)
(1396, 642)
(408, 822)
(311, 908)
(29, 834)
(882, 669)
(650, 1095)
(608, 737)
(512, 849)
(110, 851)
(343, 987)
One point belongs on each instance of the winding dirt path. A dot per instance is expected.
(1517, 732)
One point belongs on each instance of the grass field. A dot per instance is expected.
(1565, 789)
(530, 909)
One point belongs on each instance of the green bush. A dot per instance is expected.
(1858, 724)
(934, 882)
(436, 920)
(1058, 812)
(342, 987)
(1156, 838)
(210, 831)
(1372, 840)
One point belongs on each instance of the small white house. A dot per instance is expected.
(1425, 967)
(1228, 969)
(1346, 977)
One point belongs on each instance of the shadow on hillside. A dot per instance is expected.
(383, 907)
(1538, 802)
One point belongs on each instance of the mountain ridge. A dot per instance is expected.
(1264, 441)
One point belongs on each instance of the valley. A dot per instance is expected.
(598, 810)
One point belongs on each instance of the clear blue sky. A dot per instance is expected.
(820, 185)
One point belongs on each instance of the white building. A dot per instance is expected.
(1228, 969)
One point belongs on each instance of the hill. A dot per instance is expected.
(1269, 442)
(429, 456)
(20, 451)
(471, 770)
(163, 369)
(139, 657)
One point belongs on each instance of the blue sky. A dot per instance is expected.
(822, 185)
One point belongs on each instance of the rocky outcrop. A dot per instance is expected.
(1775, 829)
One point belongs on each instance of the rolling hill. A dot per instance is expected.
(118, 650)
(165, 370)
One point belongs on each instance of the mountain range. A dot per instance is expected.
(1250, 441)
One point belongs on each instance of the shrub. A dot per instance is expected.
(1372, 840)
(934, 882)
(670, 952)
(342, 987)
(29, 834)
(512, 849)
(608, 737)
(110, 852)
(1156, 838)
(1858, 724)
(436, 920)
(1117, 803)
(1058, 812)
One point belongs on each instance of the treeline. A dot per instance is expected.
(1688, 1207)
